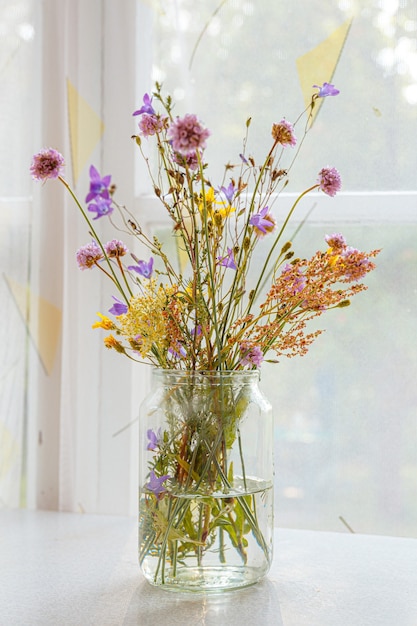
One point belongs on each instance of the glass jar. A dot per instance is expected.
(206, 481)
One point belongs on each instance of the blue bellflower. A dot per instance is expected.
(228, 260)
(119, 307)
(101, 206)
(258, 220)
(327, 89)
(98, 186)
(153, 439)
(229, 192)
(142, 268)
(178, 352)
(155, 484)
(146, 107)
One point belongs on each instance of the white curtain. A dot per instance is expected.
(17, 105)
(71, 393)
(88, 118)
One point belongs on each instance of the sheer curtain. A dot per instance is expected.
(17, 104)
(63, 400)
(89, 88)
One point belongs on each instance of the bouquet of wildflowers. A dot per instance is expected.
(211, 318)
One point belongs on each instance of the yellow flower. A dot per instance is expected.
(147, 320)
(105, 323)
(214, 207)
(333, 256)
(111, 342)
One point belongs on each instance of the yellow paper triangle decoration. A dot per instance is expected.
(86, 129)
(42, 319)
(9, 451)
(319, 64)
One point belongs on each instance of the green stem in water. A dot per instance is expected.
(242, 461)
(253, 522)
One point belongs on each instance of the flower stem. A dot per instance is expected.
(94, 234)
(239, 261)
(277, 239)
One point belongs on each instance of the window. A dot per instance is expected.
(346, 447)
(346, 437)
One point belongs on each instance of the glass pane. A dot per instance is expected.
(227, 61)
(346, 437)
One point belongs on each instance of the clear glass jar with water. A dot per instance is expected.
(206, 481)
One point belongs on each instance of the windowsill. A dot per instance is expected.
(63, 568)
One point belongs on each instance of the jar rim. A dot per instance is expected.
(202, 376)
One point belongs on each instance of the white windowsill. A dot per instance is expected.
(71, 569)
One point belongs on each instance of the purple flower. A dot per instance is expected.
(251, 354)
(100, 206)
(243, 159)
(187, 134)
(196, 331)
(146, 107)
(151, 124)
(283, 133)
(178, 352)
(119, 307)
(329, 180)
(115, 248)
(263, 222)
(294, 279)
(189, 161)
(46, 164)
(153, 439)
(229, 192)
(137, 343)
(143, 268)
(98, 186)
(356, 263)
(336, 241)
(228, 260)
(155, 484)
(326, 90)
(89, 255)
